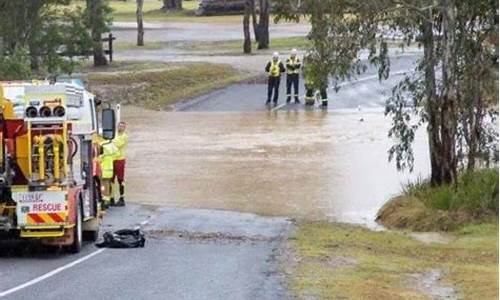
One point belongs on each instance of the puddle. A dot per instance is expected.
(431, 284)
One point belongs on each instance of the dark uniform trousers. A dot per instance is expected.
(273, 83)
(292, 80)
(324, 96)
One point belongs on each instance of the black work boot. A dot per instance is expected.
(288, 99)
(112, 202)
(297, 100)
(121, 202)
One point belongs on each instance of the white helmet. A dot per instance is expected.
(276, 55)
(294, 52)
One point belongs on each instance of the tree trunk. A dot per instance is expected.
(247, 44)
(449, 159)
(263, 24)
(172, 5)
(34, 57)
(254, 21)
(475, 118)
(431, 105)
(95, 15)
(140, 25)
(475, 110)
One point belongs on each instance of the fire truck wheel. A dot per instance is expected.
(78, 233)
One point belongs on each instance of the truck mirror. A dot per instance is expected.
(108, 124)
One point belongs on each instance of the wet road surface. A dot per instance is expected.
(189, 254)
(364, 91)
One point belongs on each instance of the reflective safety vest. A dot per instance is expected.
(293, 65)
(106, 158)
(120, 142)
(274, 69)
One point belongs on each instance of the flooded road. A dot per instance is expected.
(294, 163)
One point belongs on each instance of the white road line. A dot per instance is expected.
(343, 84)
(49, 274)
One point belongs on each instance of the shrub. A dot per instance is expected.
(473, 198)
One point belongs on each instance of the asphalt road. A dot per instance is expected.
(364, 91)
(189, 254)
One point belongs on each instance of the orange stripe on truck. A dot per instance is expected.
(56, 217)
(45, 218)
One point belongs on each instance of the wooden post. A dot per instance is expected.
(110, 46)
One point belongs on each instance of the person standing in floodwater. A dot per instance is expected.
(274, 68)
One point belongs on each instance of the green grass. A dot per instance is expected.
(475, 192)
(474, 198)
(120, 46)
(237, 45)
(160, 88)
(224, 47)
(233, 47)
(336, 261)
(87, 67)
(124, 11)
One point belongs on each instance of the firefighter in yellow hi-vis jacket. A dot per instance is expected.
(274, 68)
(120, 142)
(293, 65)
(108, 153)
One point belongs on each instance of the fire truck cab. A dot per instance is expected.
(49, 147)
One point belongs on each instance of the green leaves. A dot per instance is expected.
(45, 37)
(451, 88)
(15, 66)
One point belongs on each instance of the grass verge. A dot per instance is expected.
(159, 88)
(287, 43)
(337, 261)
(473, 199)
(233, 47)
(228, 47)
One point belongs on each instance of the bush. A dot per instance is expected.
(474, 198)
(475, 193)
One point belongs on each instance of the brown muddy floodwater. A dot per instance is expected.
(302, 164)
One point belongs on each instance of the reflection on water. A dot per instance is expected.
(304, 164)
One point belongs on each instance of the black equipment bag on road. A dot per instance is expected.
(124, 238)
